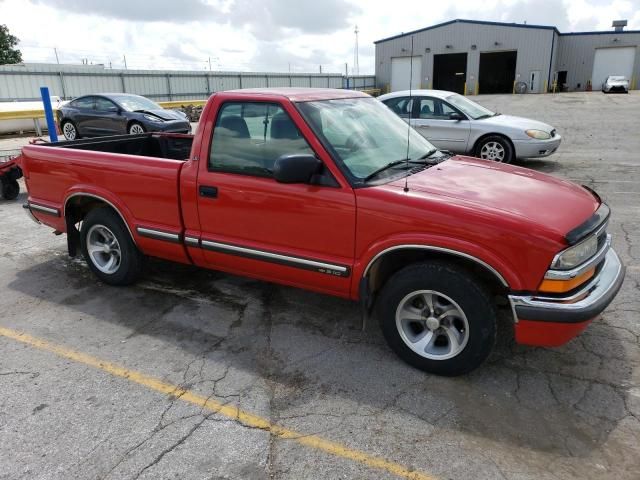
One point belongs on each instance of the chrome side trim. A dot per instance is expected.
(441, 250)
(43, 209)
(321, 267)
(83, 194)
(158, 234)
(192, 241)
(589, 264)
(30, 214)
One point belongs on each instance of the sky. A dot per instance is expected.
(264, 35)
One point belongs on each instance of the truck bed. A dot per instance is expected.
(168, 146)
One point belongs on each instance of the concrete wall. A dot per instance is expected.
(23, 82)
(533, 46)
(576, 53)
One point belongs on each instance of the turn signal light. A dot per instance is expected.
(562, 286)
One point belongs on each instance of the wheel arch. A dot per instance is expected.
(76, 206)
(390, 260)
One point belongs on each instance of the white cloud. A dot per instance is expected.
(264, 34)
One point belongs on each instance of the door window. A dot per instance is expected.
(104, 105)
(433, 108)
(85, 103)
(249, 137)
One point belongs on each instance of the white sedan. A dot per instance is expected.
(453, 122)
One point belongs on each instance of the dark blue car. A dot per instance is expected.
(117, 114)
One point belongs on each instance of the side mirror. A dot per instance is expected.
(296, 168)
(456, 116)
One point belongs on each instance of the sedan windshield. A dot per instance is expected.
(365, 135)
(471, 109)
(135, 102)
(617, 78)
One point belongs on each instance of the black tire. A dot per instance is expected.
(68, 124)
(135, 124)
(502, 141)
(458, 285)
(130, 262)
(10, 190)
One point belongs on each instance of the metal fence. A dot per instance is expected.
(23, 82)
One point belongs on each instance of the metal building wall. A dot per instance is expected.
(533, 46)
(577, 51)
(23, 82)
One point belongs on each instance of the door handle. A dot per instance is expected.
(207, 191)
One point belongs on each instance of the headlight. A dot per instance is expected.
(153, 118)
(538, 134)
(574, 256)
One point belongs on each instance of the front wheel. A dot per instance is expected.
(10, 190)
(136, 129)
(437, 318)
(495, 148)
(108, 248)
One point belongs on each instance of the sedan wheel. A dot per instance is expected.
(492, 151)
(136, 129)
(69, 131)
(495, 148)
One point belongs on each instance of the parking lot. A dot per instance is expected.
(196, 374)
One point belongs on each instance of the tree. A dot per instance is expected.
(8, 54)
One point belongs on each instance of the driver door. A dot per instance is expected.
(296, 234)
(430, 116)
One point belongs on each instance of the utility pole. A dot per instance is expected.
(320, 68)
(55, 50)
(124, 57)
(356, 63)
(209, 63)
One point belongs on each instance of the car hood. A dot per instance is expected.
(518, 122)
(616, 83)
(164, 114)
(549, 202)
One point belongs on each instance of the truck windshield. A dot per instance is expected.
(364, 133)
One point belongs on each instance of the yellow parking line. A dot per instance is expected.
(228, 411)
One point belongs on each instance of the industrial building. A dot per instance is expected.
(469, 56)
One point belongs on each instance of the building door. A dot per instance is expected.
(401, 69)
(450, 72)
(497, 71)
(534, 81)
(612, 61)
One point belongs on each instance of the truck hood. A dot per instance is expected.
(517, 122)
(553, 204)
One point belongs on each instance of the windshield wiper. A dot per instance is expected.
(396, 163)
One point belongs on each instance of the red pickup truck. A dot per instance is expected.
(328, 190)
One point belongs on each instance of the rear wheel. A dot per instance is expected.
(136, 128)
(495, 148)
(108, 248)
(438, 318)
(10, 189)
(69, 130)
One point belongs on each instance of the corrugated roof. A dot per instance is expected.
(502, 24)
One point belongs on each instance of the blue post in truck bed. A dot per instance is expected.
(48, 114)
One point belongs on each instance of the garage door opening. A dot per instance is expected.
(401, 69)
(612, 61)
(497, 72)
(450, 72)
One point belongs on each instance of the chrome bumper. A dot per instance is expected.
(583, 305)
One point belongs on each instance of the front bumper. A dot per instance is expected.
(536, 148)
(169, 127)
(583, 305)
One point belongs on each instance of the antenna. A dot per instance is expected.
(406, 178)
(356, 63)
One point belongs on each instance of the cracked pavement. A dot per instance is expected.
(300, 360)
